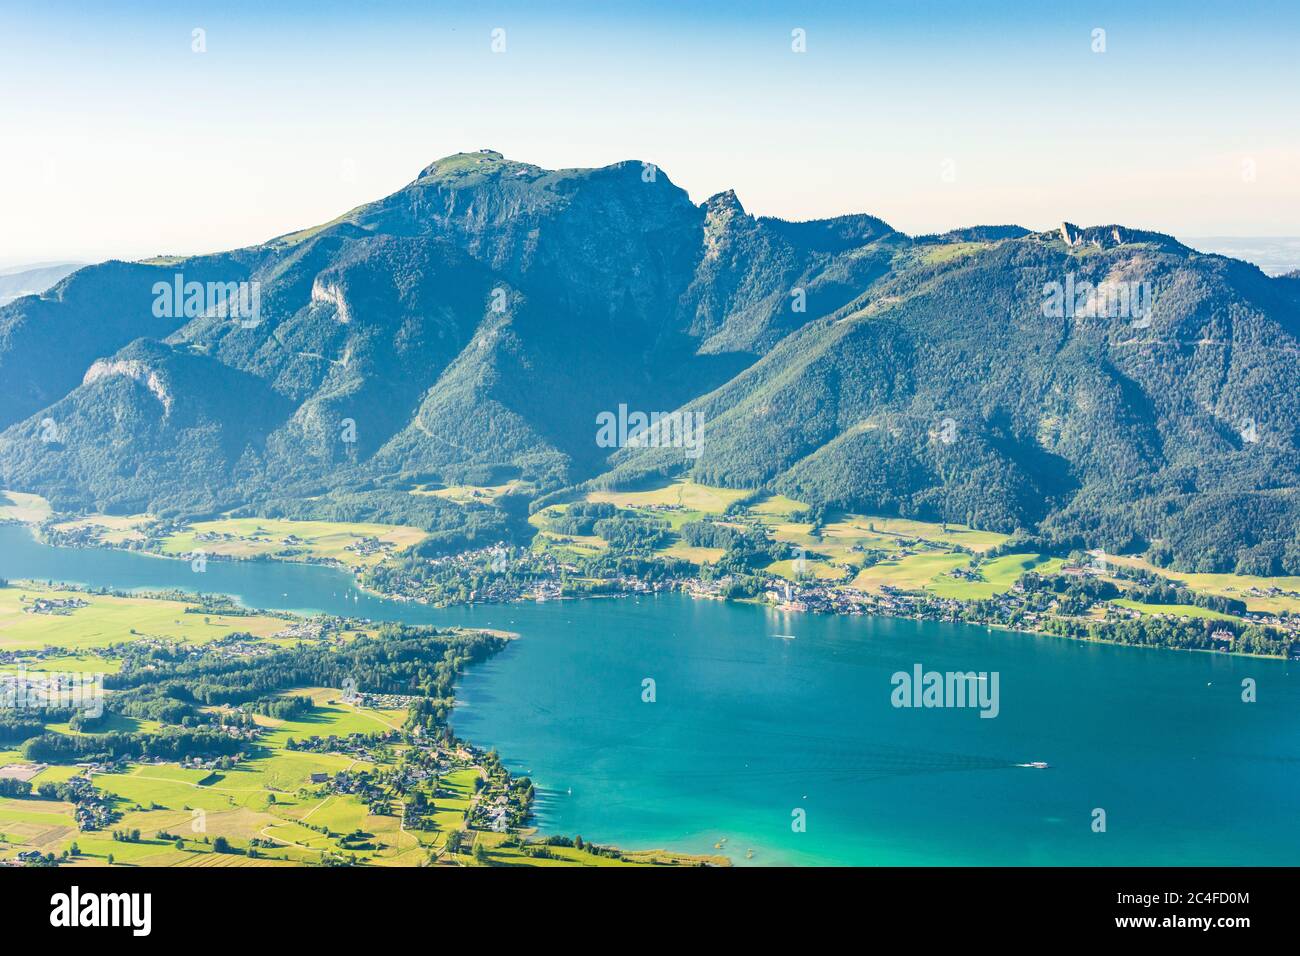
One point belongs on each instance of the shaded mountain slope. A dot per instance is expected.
(479, 319)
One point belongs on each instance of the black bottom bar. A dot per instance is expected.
(368, 906)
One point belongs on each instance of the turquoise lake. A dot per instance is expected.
(759, 714)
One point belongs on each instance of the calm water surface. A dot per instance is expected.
(759, 713)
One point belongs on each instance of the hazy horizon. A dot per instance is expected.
(1283, 255)
(126, 141)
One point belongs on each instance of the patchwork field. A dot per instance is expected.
(268, 797)
(682, 493)
(950, 534)
(291, 540)
(272, 804)
(919, 555)
(108, 620)
(910, 573)
(269, 811)
(34, 824)
(999, 575)
(581, 545)
(1264, 595)
(867, 552)
(674, 504)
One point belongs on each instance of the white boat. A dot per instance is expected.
(1034, 765)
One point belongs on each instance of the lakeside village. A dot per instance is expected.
(458, 800)
(1073, 601)
(410, 786)
(404, 769)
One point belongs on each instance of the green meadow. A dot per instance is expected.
(1251, 589)
(1174, 610)
(999, 574)
(912, 555)
(26, 508)
(291, 539)
(108, 620)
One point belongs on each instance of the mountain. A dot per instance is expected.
(1078, 426)
(482, 316)
(1100, 384)
(18, 281)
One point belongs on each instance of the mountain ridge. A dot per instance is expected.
(483, 315)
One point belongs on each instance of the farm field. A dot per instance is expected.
(84, 663)
(29, 509)
(113, 723)
(674, 504)
(281, 538)
(110, 529)
(269, 812)
(34, 824)
(819, 570)
(950, 534)
(691, 553)
(682, 493)
(910, 573)
(999, 575)
(276, 805)
(919, 554)
(777, 506)
(583, 545)
(268, 797)
(331, 715)
(1174, 610)
(291, 540)
(108, 620)
(469, 494)
(1249, 588)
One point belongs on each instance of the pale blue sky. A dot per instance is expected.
(120, 141)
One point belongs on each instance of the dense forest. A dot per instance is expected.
(837, 361)
(174, 685)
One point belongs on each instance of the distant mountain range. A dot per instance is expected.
(1104, 385)
(18, 281)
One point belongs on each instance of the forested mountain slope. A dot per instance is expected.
(479, 320)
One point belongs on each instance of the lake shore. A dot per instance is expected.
(748, 726)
